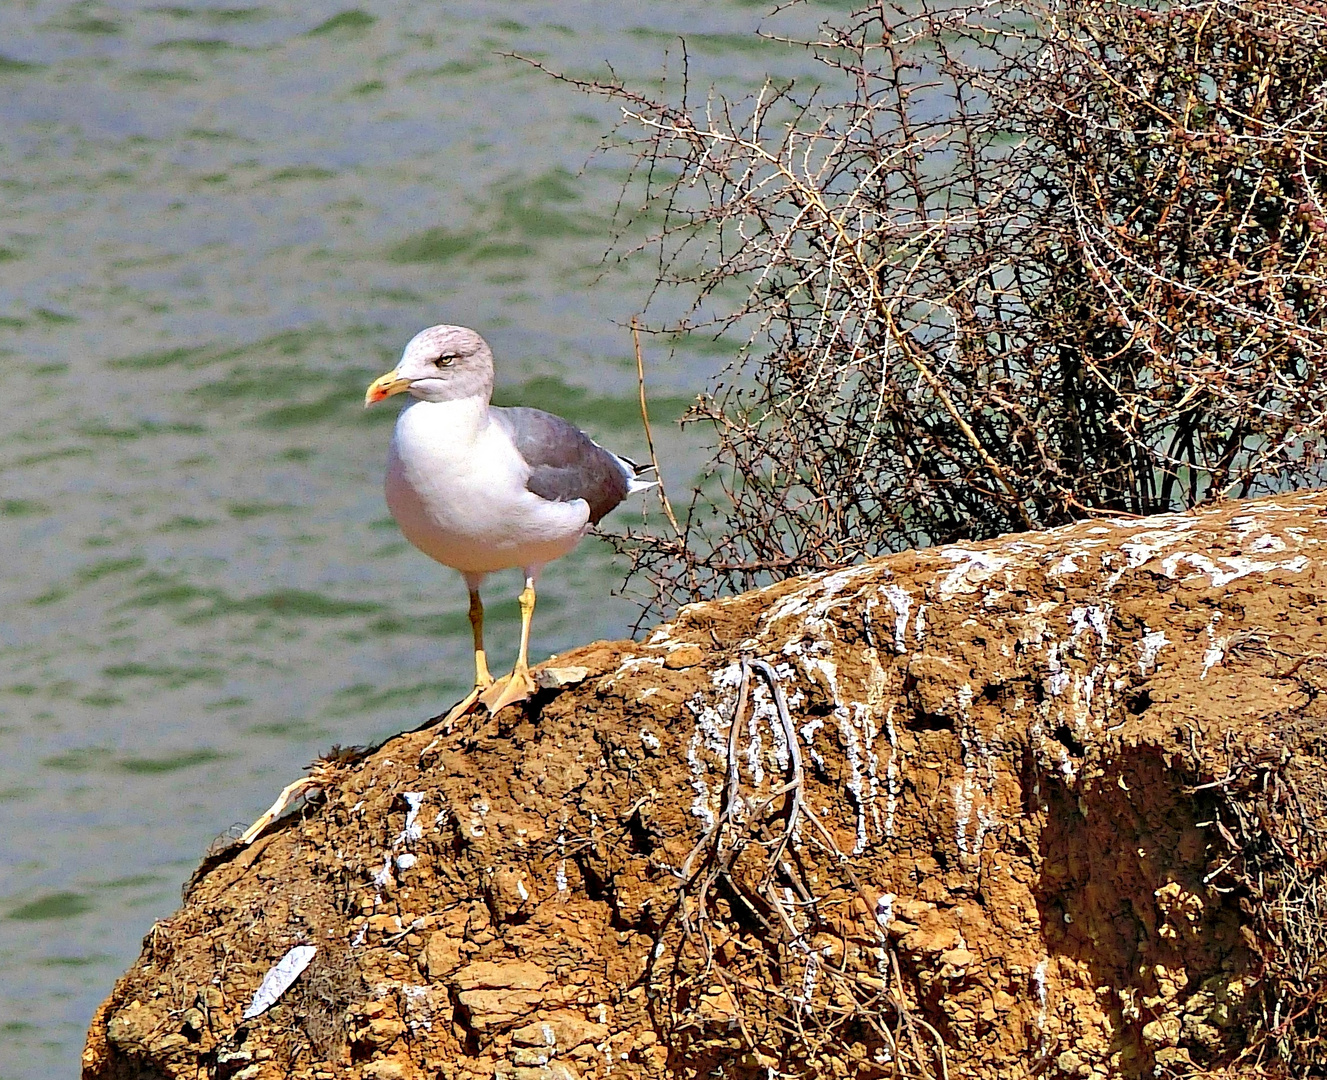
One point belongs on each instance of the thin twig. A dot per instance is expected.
(649, 435)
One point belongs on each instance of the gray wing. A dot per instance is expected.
(565, 463)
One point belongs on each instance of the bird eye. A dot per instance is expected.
(444, 361)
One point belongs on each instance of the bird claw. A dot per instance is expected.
(516, 687)
(459, 709)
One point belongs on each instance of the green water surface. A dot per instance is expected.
(220, 223)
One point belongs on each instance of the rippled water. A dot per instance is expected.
(219, 224)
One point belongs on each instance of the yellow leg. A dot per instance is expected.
(483, 679)
(526, 600)
(519, 685)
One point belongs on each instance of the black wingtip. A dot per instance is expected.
(636, 466)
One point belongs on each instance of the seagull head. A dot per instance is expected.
(442, 363)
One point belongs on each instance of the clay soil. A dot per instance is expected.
(1046, 806)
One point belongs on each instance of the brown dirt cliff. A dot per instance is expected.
(1045, 806)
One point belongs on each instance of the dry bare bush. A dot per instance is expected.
(1006, 266)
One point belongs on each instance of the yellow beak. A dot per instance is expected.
(385, 387)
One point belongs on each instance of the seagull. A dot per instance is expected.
(481, 488)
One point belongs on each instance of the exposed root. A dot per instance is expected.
(811, 999)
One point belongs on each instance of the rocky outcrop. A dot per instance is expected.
(1045, 806)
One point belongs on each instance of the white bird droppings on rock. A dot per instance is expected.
(1216, 647)
(1267, 544)
(970, 570)
(1057, 681)
(1066, 565)
(1239, 566)
(412, 832)
(900, 600)
(1091, 617)
(1151, 644)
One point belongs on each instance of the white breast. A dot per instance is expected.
(456, 486)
